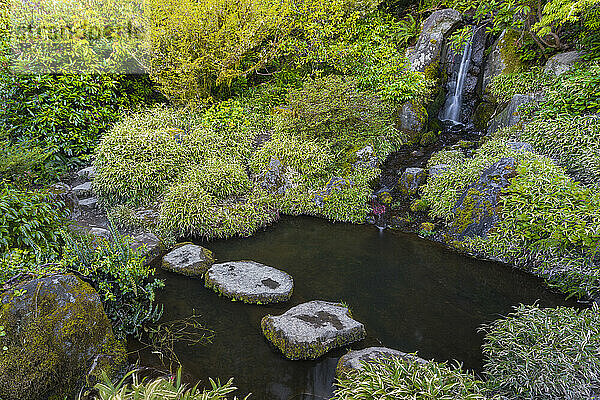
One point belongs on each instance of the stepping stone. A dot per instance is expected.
(89, 203)
(84, 190)
(250, 282)
(153, 246)
(355, 359)
(87, 173)
(309, 330)
(99, 232)
(188, 259)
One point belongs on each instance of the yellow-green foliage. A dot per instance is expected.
(194, 47)
(44, 354)
(548, 222)
(164, 388)
(404, 379)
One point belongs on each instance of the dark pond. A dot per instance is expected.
(411, 294)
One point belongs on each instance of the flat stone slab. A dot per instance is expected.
(309, 330)
(87, 173)
(188, 259)
(88, 204)
(354, 359)
(152, 246)
(250, 282)
(84, 190)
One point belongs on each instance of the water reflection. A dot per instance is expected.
(411, 295)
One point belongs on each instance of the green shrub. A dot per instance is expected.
(20, 162)
(161, 389)
(544, 353)
(118, 273)
(66, 114)
(30, 221)
(397, 379)
(534, 80)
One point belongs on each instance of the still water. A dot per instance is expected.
(411, 295)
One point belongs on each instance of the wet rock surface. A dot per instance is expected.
(355, 358)
(250, 282)
(151, 244)
(309, 330)
(511, 114)
(411, 179)
(188, 259)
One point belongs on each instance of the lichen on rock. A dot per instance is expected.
(57, 335)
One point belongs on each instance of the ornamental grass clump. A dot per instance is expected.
(544, 353)
(399, 379)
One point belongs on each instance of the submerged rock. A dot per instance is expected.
(250, 282)
(56, 333)
(562, 62)
(475, 213)
(309, 330)
(411, 179)
(426, 54)
(188, 259)
(355, 358)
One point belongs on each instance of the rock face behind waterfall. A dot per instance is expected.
(451, 65)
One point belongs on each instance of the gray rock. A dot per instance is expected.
(188, 259)
(275, 178)
(366, 157)
(99, 232)
(84, 190)
(62, 192)
(336, 183)
(152, 245)
(562, 62)
(511, 114)
(436, 28)
(502, 58)
(87, 173)
(476, 211)
(436, 170)
(309, 330)
(411, 179)
(355, 358)
(55, 333)
(521, 147)
(412, 119)
(250, 282)
(88, 204)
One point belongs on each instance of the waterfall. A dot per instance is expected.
(454, 102)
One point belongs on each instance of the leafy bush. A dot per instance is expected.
(548, 223)
(160, 389)
(544, 353)
(31, 222)
(118, 273)
(534, 80)
(397, 379)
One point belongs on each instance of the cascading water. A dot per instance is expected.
(454, 102)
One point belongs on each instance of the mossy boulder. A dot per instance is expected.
(502, 58)
(476, 211)
(562, 62)
(188, 259)
(411, 179)
(412, 120)
(355, 359)
(250, 282)
(309, 330)
(56, 335)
